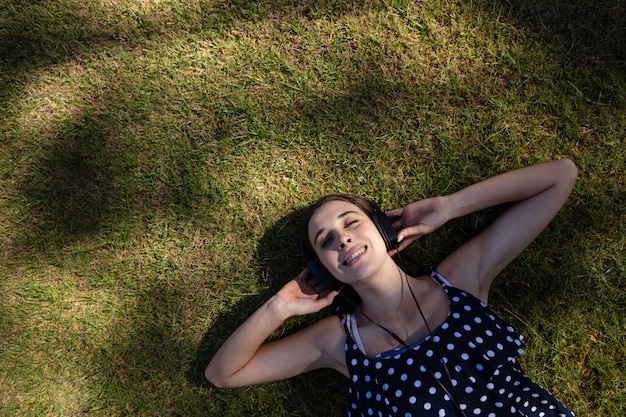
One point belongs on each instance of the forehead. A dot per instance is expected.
(329, 213)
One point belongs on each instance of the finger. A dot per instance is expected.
(394, 213)
(417, 230)
(406, 242)
(397, 224)
(326, 298)
(408, 235)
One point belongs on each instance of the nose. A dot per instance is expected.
(344, 241)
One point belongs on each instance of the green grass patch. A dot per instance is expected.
(155, 158)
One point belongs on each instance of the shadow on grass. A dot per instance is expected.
(38, 34)
(539, 286)
(74, 187)
(588, 37)
(71, 187)
(317, 393)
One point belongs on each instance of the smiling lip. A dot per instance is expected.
(354, 254)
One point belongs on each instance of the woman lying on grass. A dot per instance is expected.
(411, 345)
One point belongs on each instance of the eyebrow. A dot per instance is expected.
(342, 215)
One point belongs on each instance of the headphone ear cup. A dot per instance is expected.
(385, 227)
(321, 274)
(318, 270)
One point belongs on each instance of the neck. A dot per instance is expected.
(383, 295)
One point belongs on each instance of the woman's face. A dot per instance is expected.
(346, 241)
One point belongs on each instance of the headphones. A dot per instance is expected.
(350, 300)
(323, 275)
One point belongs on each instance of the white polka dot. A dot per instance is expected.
(427, 406)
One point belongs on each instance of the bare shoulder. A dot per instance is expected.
(329, 335)
(461, 271)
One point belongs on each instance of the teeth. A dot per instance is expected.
(354, 255)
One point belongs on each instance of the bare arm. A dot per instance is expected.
(538, 191)
(244, 359)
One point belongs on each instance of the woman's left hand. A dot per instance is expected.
(418, 219)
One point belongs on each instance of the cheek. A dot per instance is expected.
(329, 260)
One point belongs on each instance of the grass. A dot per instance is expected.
(155, 158)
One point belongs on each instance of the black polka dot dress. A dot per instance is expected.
(482, 375)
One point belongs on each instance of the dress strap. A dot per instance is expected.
(351, 329)
(440, 279)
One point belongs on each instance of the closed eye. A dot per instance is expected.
(327, 240)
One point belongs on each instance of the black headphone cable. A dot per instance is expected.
(398, 339)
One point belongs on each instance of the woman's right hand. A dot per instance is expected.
(244, 359)
(302, 295)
